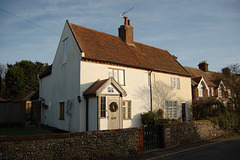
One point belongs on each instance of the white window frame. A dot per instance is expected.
(200, 91)
(65, 50)
(117, 74)
(175, 83)
(220, 92)
(126, 109)
(212, 89)
(229, 93)
(171, 109)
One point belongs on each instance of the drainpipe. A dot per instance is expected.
(150, 83)
(86, 98)
(40, 85)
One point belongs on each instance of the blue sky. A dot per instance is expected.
(193, 30)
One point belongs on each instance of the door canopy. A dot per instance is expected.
(105, 87)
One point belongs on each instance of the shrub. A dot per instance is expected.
(149, 118)
(160, 113)
(208, 107)
(152, 118)
(227, 120)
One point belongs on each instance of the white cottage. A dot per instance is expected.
(99, 81)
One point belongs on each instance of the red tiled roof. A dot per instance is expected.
(198, 74)
(24, 97)
(92, 89)
(104, 47)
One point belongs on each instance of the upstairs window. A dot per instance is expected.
(200, 91)
(220, 92)
(65, 50)
(118, 75)
(229, 93)
(175, 82)
(212, 89)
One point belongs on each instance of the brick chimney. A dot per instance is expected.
(203, 66)
(125, 32)
(226, 71)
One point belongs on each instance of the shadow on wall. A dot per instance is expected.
(143, 95)
(136, 120)
(160, 93)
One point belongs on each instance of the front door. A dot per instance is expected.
(113, 113)
(183, 112)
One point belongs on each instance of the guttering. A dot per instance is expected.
(133, 66)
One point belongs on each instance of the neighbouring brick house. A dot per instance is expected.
(100, 81)
(204, 85)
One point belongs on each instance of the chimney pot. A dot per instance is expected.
(125, 20)
(129, 22)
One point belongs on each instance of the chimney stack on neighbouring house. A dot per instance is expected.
(174, 56)
(125, 32)
(203, 66)
(226, 71)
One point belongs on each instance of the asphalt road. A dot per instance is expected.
(221, 149)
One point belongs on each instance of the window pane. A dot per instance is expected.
(65, 46)
(178, 83)
(171, 109)
(126, 109)
(61, 110)
(103, 107)
(110, 73)
(121, 77)
(116, 75)
(129, 109)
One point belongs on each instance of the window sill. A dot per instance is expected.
(128, 119)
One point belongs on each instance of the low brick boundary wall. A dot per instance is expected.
(190, 132)
(110, 144)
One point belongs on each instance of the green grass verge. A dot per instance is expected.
(5, 132)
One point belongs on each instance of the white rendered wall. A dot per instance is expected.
(63, 86)
(137, 88)
(93, 114)
(162, 91)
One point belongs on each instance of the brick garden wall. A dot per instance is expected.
(190, 132)
(111, 144)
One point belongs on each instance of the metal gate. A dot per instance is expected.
(153, 137)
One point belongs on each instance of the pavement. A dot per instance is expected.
(186, 149)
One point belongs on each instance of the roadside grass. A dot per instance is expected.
(5, 132)
(29, 131)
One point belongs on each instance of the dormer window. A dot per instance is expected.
(212, 89)
(229, 93)
(201, 91)
(220, 92)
